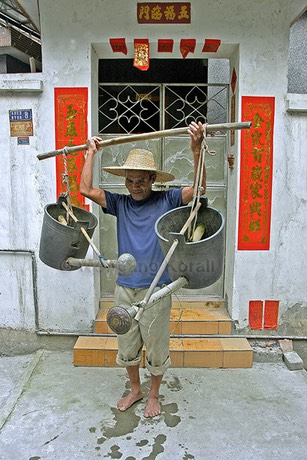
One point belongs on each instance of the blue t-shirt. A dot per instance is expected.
(136, 232)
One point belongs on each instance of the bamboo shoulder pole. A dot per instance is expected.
(144, 137)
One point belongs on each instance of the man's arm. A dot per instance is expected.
(196, 132)
(86, 182)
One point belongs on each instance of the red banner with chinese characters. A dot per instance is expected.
(70, 108)
(256, 173)
(164, 13)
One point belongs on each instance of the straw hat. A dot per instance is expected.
(141, 160)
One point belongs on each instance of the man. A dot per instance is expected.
(136, 216)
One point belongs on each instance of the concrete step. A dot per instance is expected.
(192, 352)
(188, 318)
(177, 302)
(200, 318)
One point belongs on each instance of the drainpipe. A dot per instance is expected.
(182, 336)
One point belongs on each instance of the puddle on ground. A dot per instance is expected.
(157, 447)
(174, 384)
(125, 423)
(142, 443)
(115, 452)
(170, 419)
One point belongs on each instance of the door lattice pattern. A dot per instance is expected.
(128, 109)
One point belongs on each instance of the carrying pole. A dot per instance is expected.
(144, 137)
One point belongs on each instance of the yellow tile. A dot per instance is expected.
(176, 358)
(224, 327)
(199, 327)
(236, 344)
(184, 303)
(110, 358)
(89, 358)
(198, 315)
(201, 344)
(175, 314)
(90, 342)
(237, 359)
(215, 304)
(193, 315)
(102, 327)
(221, 314)
(102, 314)
(175, 327)
(111, 343)
(195, 318)
(106, 303)
(203, 359)
(176, 345)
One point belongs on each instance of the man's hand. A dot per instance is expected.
(92, 144)
(196, 131)
(86, 181)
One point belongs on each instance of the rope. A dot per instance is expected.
(198, 189)
(69, 210)
(65, 180)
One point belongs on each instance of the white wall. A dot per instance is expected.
(75, 35)
(27, 186)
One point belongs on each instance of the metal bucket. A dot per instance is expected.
(59, 242)
(201, 262)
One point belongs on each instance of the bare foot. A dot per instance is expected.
(126, 402)
(153, 407)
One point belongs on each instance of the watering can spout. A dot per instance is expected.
(119, 319)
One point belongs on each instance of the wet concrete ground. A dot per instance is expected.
(53, 410)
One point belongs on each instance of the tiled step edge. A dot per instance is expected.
(201, 353)
(184, 322)
(108, 302)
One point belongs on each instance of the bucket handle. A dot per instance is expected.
(87, 237)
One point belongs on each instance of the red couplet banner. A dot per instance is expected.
(256, 173)
(70, 107)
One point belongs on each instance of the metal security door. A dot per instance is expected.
(134, 108)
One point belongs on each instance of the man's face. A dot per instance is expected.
(139, 184)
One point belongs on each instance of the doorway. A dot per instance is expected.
(169, 95)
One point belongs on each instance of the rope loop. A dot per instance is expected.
(102, 260)
(198, 188)
(65, 180)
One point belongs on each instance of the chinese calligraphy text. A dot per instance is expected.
(256, 174)
(164, 13)
(70, 129)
